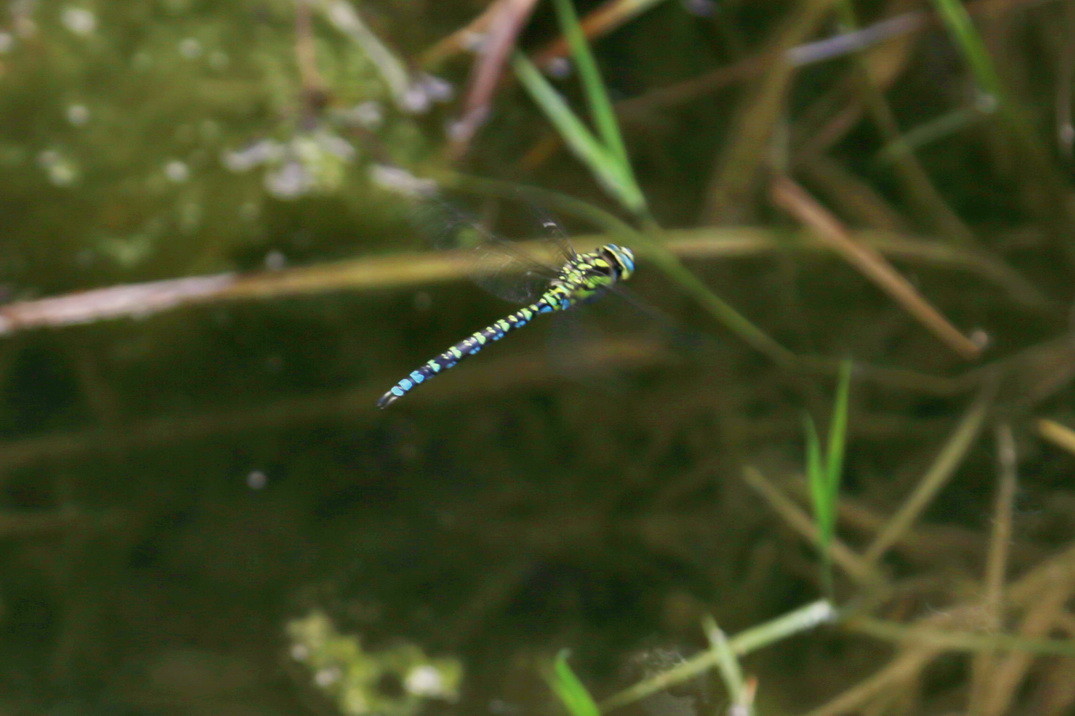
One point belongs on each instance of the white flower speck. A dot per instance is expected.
(424, 681)
(79, 20)
(177, 171)
(190, 48)
(78, 114)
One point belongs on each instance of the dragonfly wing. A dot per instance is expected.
(674, 331)
(578, 350)
(555, 232)
(500, 267)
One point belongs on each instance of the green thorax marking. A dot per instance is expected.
(587, 274)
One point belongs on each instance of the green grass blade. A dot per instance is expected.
(572, 129)
(778, 629)
(1051, 182)
(728, 666)
(604, 154)
(815, 477)
(589, 150)
(604, 116)
(959, 25)
(823, 473)
(838, 433)
(934, 130)
(572, 694)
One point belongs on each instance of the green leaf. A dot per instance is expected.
(572, 694)
(838, 433)
(572, 130)
(600, 106)
(605, 154)
(823, 473)
(961, 28)
(815, 476)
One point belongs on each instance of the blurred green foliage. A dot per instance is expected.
(170, 137)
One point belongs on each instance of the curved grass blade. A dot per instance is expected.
(823, 473)
(572, 694)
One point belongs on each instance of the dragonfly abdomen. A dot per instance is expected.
(464, 348)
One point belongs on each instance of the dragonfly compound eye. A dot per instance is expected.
(622, 258)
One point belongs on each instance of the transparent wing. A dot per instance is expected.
(500, 266)
(574, 343)
(673, 331)
(554, 231)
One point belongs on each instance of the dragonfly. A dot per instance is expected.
(582, 278)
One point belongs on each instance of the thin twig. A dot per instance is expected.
(902, 669)
(505, 21)
(749, 139)
(1059, 435)
(949, 459)
(857, 568)
(403, 271)
(870, 262)
(996, 564)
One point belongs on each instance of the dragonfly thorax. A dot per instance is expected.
(603, 266)
(586, 276)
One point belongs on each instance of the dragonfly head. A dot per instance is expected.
(622, 258)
